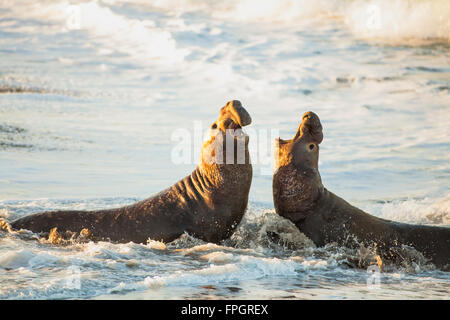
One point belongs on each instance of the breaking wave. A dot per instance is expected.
(142, 40)
(264, 246)
(394, 21)
(416, 211)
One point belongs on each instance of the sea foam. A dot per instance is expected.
(394, 21)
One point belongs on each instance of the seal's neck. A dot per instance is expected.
(221, 168)
(224, 176)
(296, 191)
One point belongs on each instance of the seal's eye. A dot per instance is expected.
(311, 146)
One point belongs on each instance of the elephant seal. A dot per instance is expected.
(324, 217)
(208, 204)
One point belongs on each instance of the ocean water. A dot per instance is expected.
(92, 92)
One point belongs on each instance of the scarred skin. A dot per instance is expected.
(208, 204)
(324, 217)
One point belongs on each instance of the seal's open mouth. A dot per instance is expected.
(234, 129)
(227, 142)
(230, 124)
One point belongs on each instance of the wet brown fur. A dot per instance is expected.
(208, 203)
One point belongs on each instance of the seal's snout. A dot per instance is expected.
(312, 120)
(237, 112)
(310, 128)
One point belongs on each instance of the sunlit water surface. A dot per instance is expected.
(91, 94)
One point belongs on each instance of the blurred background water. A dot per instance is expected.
(91, 93)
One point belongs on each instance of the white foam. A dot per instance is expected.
(397, 21)
(424, 211)
(16, 259)
(157, 245)
(383, 20)
(284, 11)
(262, 229)
(394, 21)
(105, 250)
(218, 257)
(244, 268)
(25, 258)
(201, 248)
(400, 20)
(4, 213)
(140, 39)
(315, 264)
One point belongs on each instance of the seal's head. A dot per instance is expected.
(296, 181)
(228, 144)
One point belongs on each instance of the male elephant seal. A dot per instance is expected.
(324, 217)
(208, 204)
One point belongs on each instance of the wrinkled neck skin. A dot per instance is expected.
(220, 191)
(296, 191)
